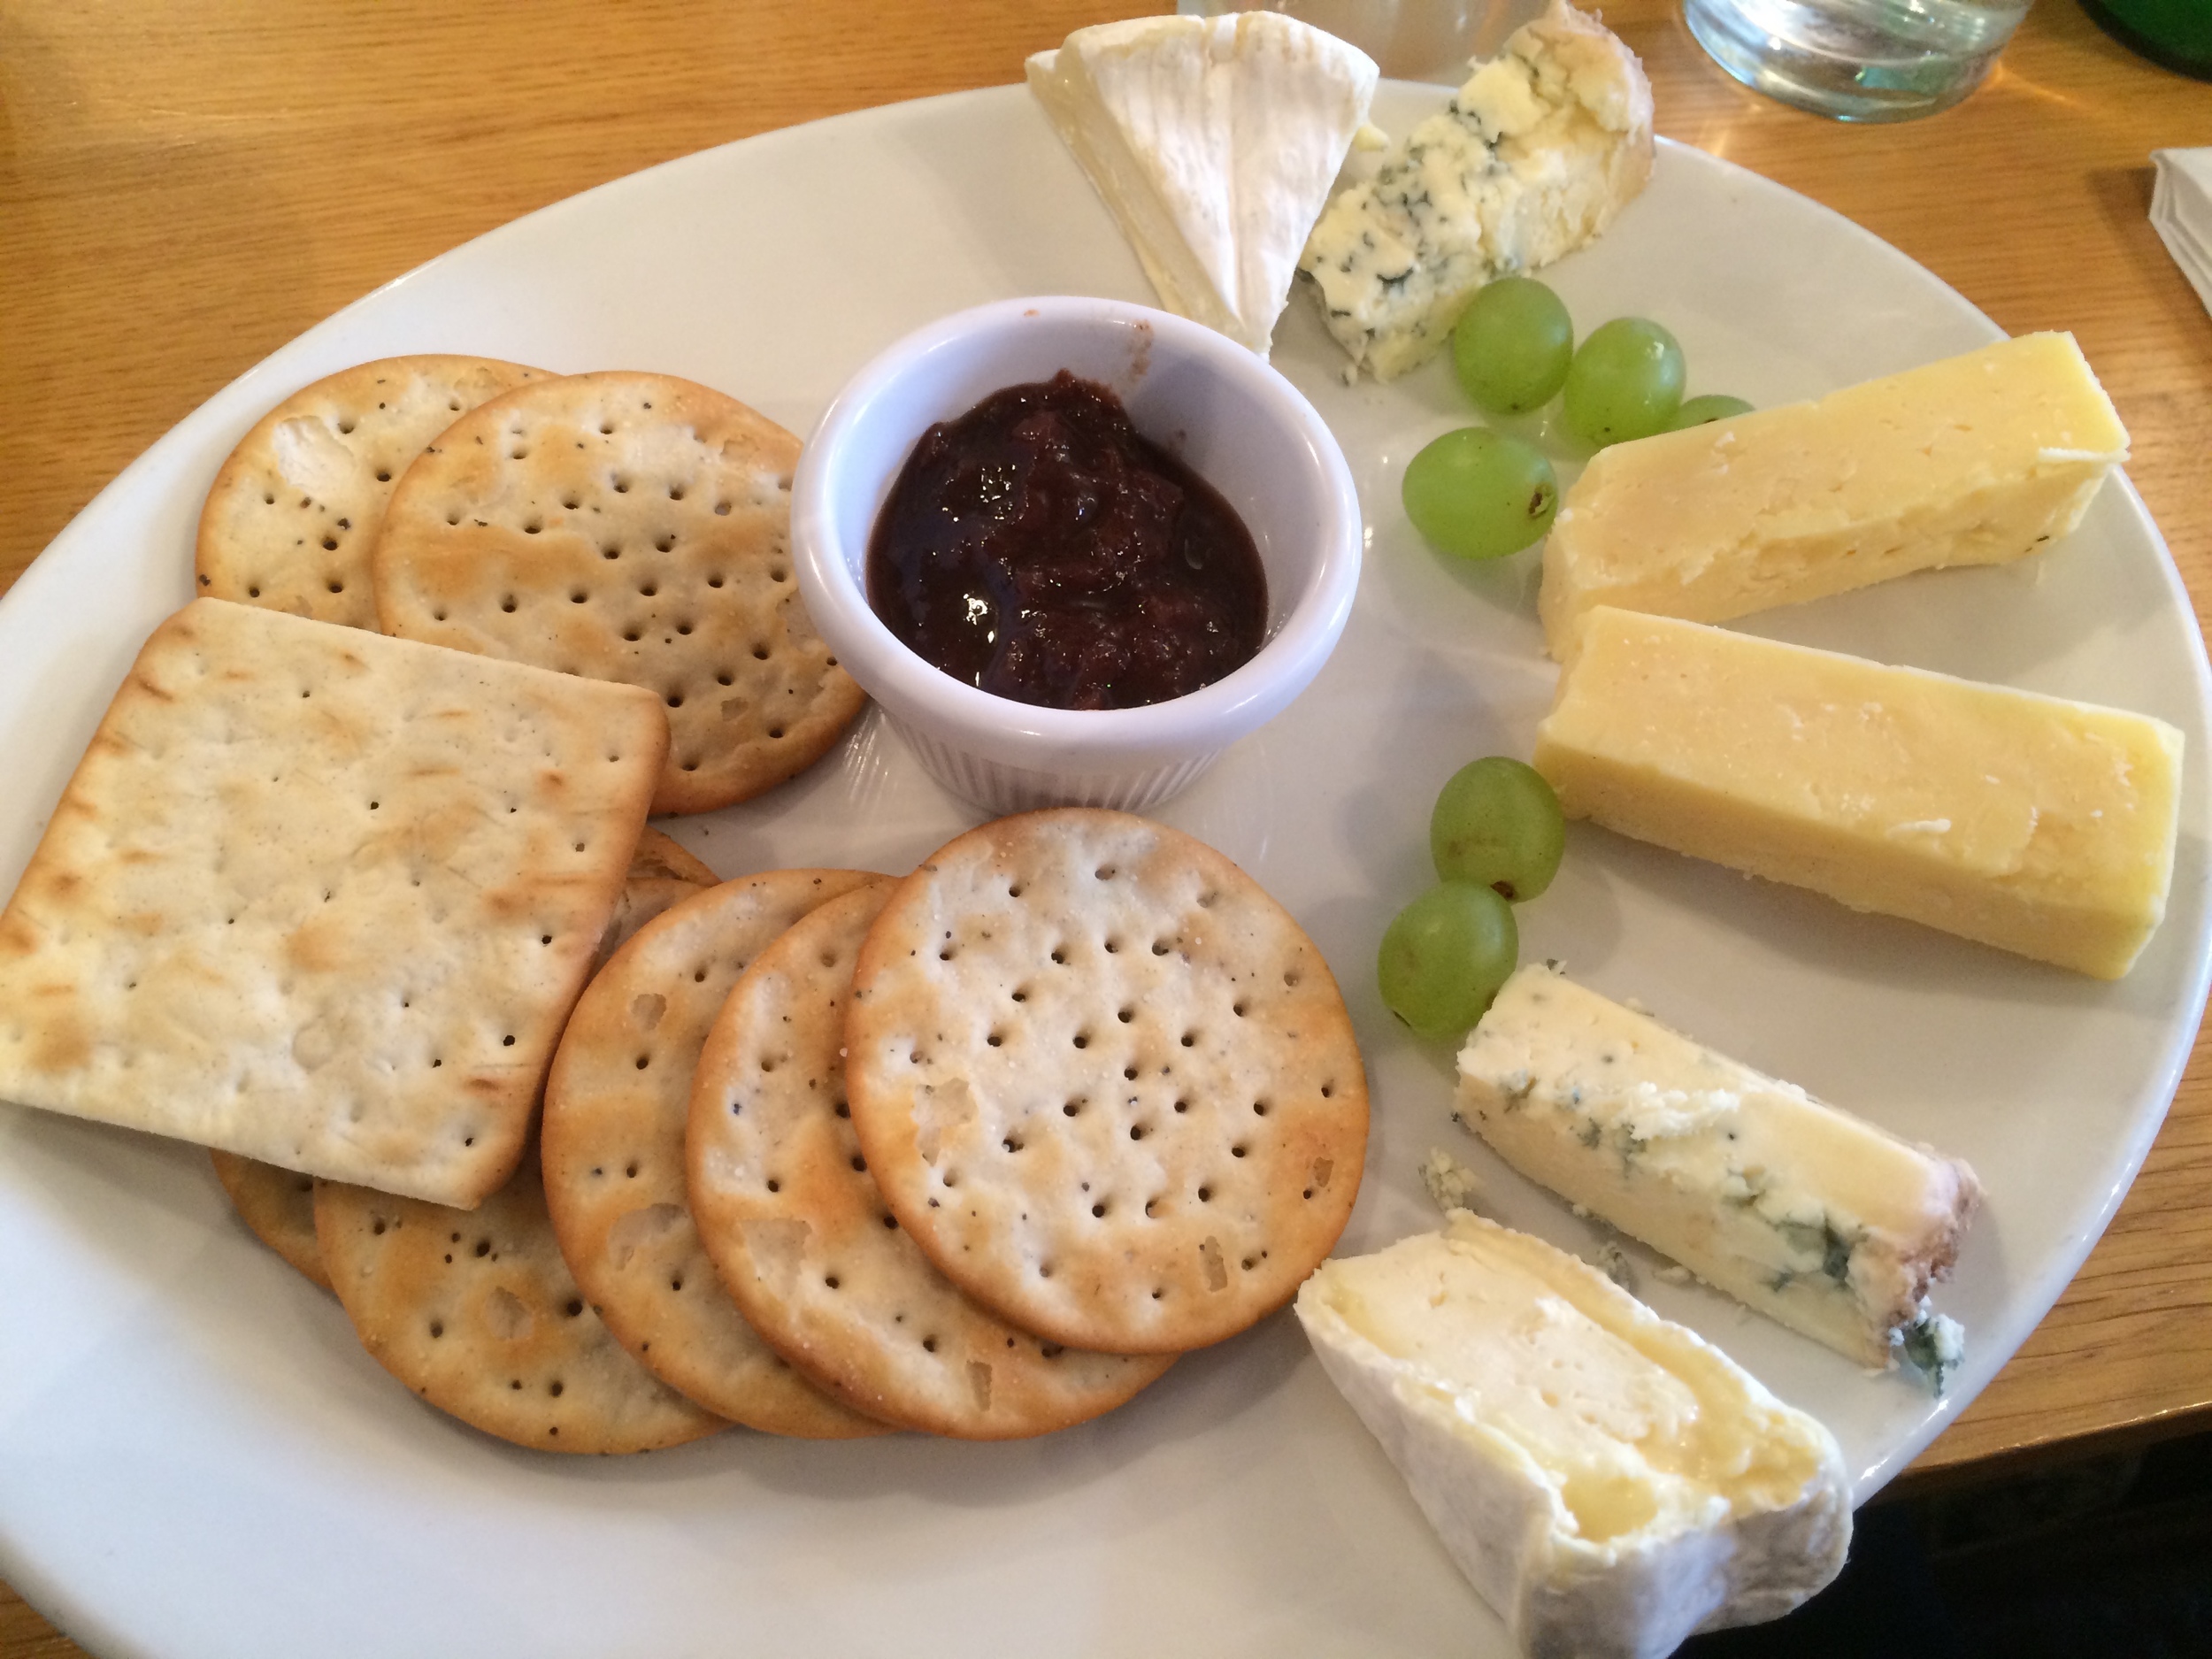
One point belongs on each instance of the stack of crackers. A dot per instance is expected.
(338, 888)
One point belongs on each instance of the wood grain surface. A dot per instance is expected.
(185, 188)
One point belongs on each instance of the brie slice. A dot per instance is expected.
(1609, 1482)
(1214, 143)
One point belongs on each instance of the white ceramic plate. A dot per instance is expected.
(197, 1459)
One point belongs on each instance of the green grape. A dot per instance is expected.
(1479, 494)
(1445, 956)
(1703, 411)
(1512, 346)
(1498, 825)
(1625, 382)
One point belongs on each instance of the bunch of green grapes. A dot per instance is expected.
(1478, 493)
(1496, 834)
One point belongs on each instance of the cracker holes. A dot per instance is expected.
(1098, 1210)
(1136, 1131)
(1124, 1015)
(1181, 1107)
(1259, 1109)
(630, 1170)
(1104, 872)
(507, 602)
(1189, 1040)
(774, 1184)
(1012, 1143)
(714, 578)
(929, 1345)
(253, 593)
(760, 651)
(860, 1164)
(722, 678)
(330, 544)
(1236, 1151)
(383, 476)
(676, 699)
(574, 1308)
(684, 628)
(1082, 1040)
(779, 575)
(437, 1328)
(1328, 1090)
(572, 502)
(337, 588)
(645, 1060)
(650, 588)
(1205, 1194)
(664, 543)
(831, 1280)
(554, 1388)
(996, 1040)
(1072, 1108)
(612, 552)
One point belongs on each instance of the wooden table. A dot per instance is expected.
(184, 188)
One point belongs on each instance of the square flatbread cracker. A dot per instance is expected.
(1105, 1081)
(294, 512)
(324, 898)
(634, 527)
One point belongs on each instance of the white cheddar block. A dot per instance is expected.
(1830, 1225)
(1214, 143)
(2035, 823)
(1974, 460)
(1609, 1482)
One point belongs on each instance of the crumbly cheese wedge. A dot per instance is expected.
(1214, 143)
(2031, 823)
(1974, 460)
(1532, 158)
(1827, 1223)
(1608, 1481)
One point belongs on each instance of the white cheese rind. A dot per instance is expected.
(1977, 459)
(1532, 158)
(2035, 823)
(1609, 1482)
(1214, 141)
(1816, 1218)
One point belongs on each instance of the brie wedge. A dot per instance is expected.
(1214, 143)
(1813, 1217)
(1610, 1482)
(1532, 158)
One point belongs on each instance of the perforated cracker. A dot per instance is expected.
(324, 898)
(613, 1150)
(1106, 1081)
(277, 1206)
(805, 1244)
(295, 511)
(476, 1311)
(632, 527)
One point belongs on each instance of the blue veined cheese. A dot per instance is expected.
(1532, 158)
(1607, 1481)
(1214, 143)
(1819, 1220)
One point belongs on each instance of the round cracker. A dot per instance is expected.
(295, 511)
(476, 1311)
(613, 1152)
(805, 1244)
(662, 855)
(1106, 1081)
(277, 1204)
(632, 527)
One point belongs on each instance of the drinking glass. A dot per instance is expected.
(1857, 60)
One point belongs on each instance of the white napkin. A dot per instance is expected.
(2181, 213)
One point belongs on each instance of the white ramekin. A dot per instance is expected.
(1240, 424)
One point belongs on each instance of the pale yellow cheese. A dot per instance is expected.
(1975, 460)
(2031, 823)
(1607, 1481)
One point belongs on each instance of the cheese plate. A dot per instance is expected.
(196, 1458)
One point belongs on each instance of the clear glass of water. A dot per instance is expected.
(1857, 60)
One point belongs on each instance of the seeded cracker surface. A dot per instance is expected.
(634, 527)
(613, 1149)
(296, 509)
(1105, 1081)
(323, 898)
(476, 1311)
(803, 1240)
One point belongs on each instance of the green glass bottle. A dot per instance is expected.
(2175, 33)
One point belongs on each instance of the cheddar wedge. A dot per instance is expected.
(1974, 460)
(2031, 823)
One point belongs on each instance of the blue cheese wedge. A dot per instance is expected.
(1820, 1221)
(1610, 1482)
(1532, 158)
(1214, 143)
